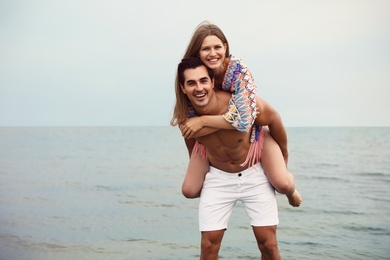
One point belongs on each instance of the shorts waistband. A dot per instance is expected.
(255, 168)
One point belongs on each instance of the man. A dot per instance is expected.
(227, 181)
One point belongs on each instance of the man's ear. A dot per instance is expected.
(183, 89)
(212, 83)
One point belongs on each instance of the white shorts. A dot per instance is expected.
(221, 190)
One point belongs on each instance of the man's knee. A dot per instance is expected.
(208, 246)
(211, 242)
(267, 242)
(209, 250)
(269, 245)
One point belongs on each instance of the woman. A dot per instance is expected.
(230, 74)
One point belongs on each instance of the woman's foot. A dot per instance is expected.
(295, 199)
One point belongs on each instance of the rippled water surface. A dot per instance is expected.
(114, 193)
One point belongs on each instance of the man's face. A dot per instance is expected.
(198, 86)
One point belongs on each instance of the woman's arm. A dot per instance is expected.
(203, 125)
(239, 81)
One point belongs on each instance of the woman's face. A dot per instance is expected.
(212, 52)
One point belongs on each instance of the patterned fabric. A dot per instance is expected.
(254, 153)
(242, 106)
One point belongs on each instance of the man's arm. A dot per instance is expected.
(190, 143)
(267, 115)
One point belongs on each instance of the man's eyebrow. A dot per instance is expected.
(193, 80)
(190, 81)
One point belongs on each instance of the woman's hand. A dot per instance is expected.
(191, 126)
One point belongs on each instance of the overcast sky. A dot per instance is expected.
(112, 63)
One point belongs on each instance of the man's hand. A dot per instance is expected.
(191, 126)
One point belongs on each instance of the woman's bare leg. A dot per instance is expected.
(193, 181)
(275, 168)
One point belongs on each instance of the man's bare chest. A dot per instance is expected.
(225, 141)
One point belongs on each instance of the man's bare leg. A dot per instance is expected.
(211, 243)
(267, 242)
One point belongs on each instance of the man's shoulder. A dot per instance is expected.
(223, 95)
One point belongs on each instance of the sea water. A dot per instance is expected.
(115, 193)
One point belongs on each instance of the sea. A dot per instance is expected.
(115, 193)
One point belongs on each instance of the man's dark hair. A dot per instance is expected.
(191, 63)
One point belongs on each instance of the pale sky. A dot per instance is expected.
(113, 63)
